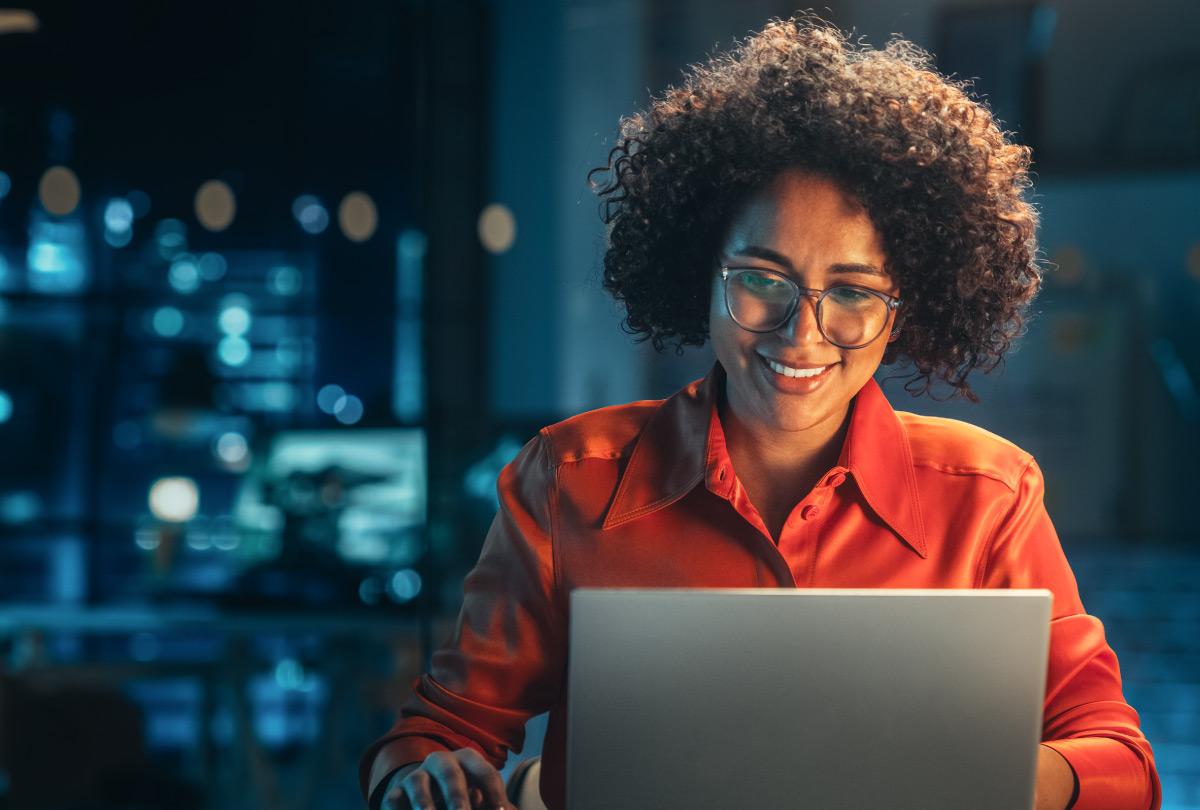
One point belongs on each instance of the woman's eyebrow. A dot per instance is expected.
(766, 254)
(865, 269)
(774, 256)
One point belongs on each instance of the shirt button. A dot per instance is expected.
(837, 480)
(810, 512)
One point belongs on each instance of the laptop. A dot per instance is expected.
(720, 699)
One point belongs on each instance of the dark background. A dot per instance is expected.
(245, 654)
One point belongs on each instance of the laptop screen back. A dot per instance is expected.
(927, 700)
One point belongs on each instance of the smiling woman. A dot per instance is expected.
(814, 209)
(789, 388)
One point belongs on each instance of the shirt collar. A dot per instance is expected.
(678, 447)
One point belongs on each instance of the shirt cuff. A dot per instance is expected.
(391, 758)
(1109, 773)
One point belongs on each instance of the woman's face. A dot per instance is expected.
(809, 229)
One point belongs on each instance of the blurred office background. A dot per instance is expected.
(283, 285)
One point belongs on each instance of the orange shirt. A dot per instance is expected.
(644, 495)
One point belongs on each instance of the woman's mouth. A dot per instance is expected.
(788, 371)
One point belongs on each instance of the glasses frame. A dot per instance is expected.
(799, 292)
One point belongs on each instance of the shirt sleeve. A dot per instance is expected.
(1085, 716)
(505, 662)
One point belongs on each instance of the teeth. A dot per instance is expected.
(794, 372)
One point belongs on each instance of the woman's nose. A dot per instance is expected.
(802, 326)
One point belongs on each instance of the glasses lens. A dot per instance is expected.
(759, 301)
(851, 317)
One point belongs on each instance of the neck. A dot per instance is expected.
(778, 469)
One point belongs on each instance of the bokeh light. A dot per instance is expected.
(311, 215)
(231, 448)
(118, 215)
(497, 228)
(234, 318)
(174, 499)
(5, 185)
(59, 190)
(22, 506)
(348, 409)
(18, 21)
(357, 216)
(215, 205)
(118, 239)
(171, 235)
(212, 266)
(328, 397)
(284, 280)
(404, 585)
(184, 276)
(278, 395)
(234, 350)
(168, 322)
(6, 406)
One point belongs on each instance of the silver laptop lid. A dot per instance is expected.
(699, 699)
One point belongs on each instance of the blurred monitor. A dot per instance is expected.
(357, 496)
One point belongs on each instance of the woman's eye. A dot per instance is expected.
(850, 297)
(763, 285)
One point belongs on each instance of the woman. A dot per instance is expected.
(814, 210)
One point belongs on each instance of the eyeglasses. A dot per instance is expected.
(762, 301)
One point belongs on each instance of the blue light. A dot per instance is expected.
(285, 280)
(171, 235)
(348, 410)
(302, 202)
(278, 396)
(19, 507)
(5, 185)
(56, 257)
(311, 215)
(118, 215)
(212, 266)
(47, 257)
(329, 396)
(231, 447)
(234, 320)
(168, 322)
(6, 407)
(233, 350)
(118, 239)
(184, 276)
(404, 586)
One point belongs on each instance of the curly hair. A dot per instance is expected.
(941, 183)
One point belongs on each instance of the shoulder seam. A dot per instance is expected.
(1009, 481)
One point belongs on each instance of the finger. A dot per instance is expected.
(394, 797)
(450, 779)
(484, 776)
(417, 792)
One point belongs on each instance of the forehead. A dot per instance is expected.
(808, 219)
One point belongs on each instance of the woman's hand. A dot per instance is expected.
(1055, 781)
(447, 780)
